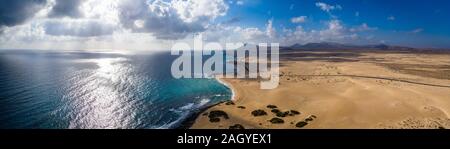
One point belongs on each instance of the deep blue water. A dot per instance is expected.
(54, 89)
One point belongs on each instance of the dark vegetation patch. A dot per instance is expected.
(293, 113)
(259, 112)
(272, 106)
(282, 114)
(301, 124)
(214, 120)
(229, 103)
(275, 111)
(214, 116)
(237, 126)
(310, 118)
(276, 120)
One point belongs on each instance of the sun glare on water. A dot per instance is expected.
(104, 100)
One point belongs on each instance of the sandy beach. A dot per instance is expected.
(341, 89)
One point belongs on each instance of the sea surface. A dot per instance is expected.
(78, 89)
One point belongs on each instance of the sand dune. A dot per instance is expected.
(345, 90)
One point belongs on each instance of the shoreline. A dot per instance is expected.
(233, 91)
(190, 120)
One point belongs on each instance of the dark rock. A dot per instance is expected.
(259, 113)
(205, 114)
(440, 127)
(313, 116)
(276, 120)
(301, 124)
(237, 126)
(260, 123)
(272, 106)
(241, 107)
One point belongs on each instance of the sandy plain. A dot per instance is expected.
(341, 89)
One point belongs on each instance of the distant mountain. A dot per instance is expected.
(340, 46)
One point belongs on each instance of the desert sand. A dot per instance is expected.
(342, 89)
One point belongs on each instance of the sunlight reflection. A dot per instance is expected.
(103, 105)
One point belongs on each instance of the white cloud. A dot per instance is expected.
(156, 24)
(335, 30)
(108, 23)
(363, 27)
(391, 18)
(240, 2)
(291, 7)
(327, 7)
(417, 30)
(299, 19)
(171, 20)
(270, 30)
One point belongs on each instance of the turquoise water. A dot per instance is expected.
(54, 89)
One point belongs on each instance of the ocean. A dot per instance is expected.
(107, 90)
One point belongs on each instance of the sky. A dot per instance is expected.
(158, 24)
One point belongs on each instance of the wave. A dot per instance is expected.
(184, 112)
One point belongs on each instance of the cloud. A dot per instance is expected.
(357, 14)
(79, 28)
(170, 20)
(232, 20)
(299, 19)
(363, 27)
(327, 8)
(417, 30)
(335, 30)
(225, 33)
(240, 2)
(270, 30)
(143, 23)
(291, 7)
(391, 18)
(16, 12)
(66, 8)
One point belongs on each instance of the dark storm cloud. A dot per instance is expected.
(69, 8)
(16, 12)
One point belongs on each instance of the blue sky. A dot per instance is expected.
(417, 23)
(158, 24)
